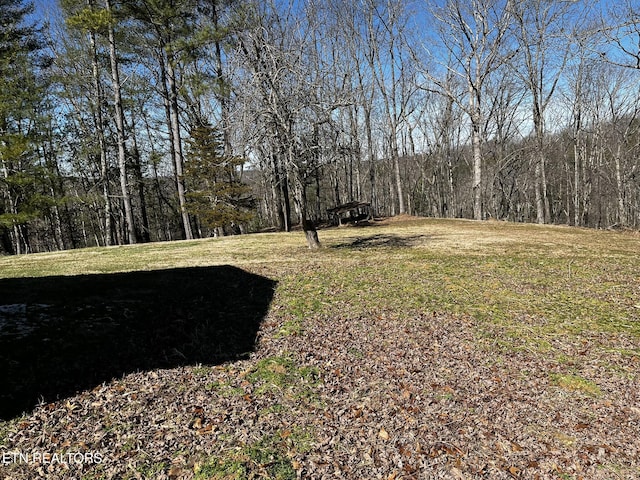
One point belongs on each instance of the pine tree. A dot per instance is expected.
(216, 196)
(22, 197)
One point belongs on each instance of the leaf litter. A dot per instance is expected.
(390, 397)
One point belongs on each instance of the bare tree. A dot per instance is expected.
(166, 28)
(387, 55)
(540, 30)
(274, 59)
(100, 126)
(621, 35)
(474, 35)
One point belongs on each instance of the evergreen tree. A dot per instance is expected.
(216, 196)
(22, 190)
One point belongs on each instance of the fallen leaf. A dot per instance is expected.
(205, 430)
(197, 423)
(383, 434)
(277, 368)
(175, 471)
(457, 473)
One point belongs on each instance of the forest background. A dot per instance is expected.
(152, 120)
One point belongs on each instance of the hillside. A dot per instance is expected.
(414, 348)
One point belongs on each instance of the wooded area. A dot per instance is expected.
(148, 120)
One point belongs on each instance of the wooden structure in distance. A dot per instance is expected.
(352, 212)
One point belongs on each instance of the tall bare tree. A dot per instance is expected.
(541, 30)
(166, 26)
(92, 20)
(474, 36)
(389, 63)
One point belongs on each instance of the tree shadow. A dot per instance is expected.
(384, 240)
(61, 335)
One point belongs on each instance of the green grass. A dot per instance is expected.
(534, 283)
(269, 458)
(576, 383)
(282, 375)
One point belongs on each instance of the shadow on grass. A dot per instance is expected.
(384, 240)
(60, 335)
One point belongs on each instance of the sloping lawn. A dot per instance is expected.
(410, 348)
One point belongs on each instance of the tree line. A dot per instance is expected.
(150, 120)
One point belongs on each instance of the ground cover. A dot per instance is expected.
(412, 348)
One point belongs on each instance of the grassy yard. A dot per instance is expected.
(411, 348)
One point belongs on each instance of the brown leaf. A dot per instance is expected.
(196, 423)
(405, 451)
(383, 434)
(175, 471)
(205, 430)
(457, 473)
(516, 447)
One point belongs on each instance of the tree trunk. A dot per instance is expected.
(537, 185)
(108, 234)
(300, 197)
(137, 170)
(174, 117)
(398, 180)
(543, 184)
(308, 226)
(122, 158)
(622, 212)
(372, 161)
(282, 198)
(576, 182)
(477, 173)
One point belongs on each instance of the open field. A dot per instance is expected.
(412, 348)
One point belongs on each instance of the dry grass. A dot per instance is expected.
(519, 344)
(535, 281)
